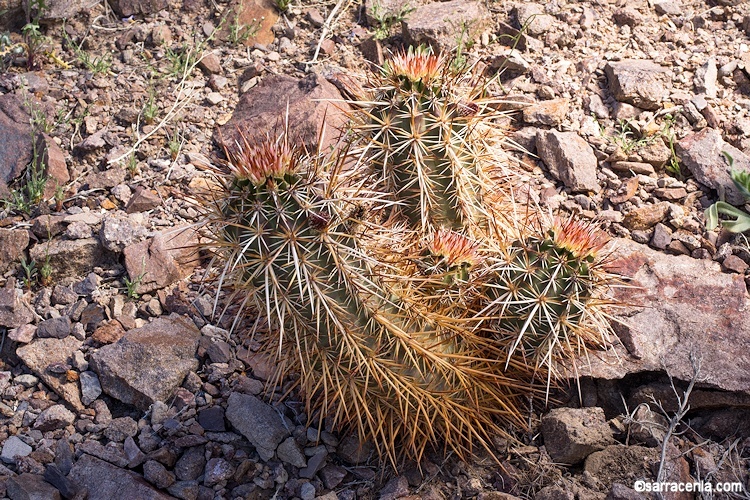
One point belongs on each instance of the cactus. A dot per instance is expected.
(547, 297)
(372, 350)
(424, 130)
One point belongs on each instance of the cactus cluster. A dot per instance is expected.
(407, 296)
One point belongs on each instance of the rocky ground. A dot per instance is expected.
(117, 380)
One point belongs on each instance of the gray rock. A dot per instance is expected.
(158, 475)
(648, 427)
(63, 456)
(569, 159)
(702, 154)
(56, 328)
(149, 363)
(53, 418)
(120, 231)
(662, 237)
(133, 453)
(191, 464)
(705, 78)
(212, 419)
(307, 491)
(676, 307)
(23, 334)
(41, 353)
(668, 7)
(12, 244)
(263, 426)
(643, 84)
(633, 166)
(14, 311)
(28, 381)
(352, 450)
(395, 488)
(309, 101)
(621, 464)
(90, 387)
(533, 17)
(572, 434)
(88, 285)
(32, 487)
(290, 452)
(54, 476)
(314, 464)
(112, 452)
(162, 260)
(186, 490)
(14, 447)
(142, 200)
(63, 295)
(217, 470)
(105, 481)
(120, 429)
(332, 475)
(439, 24)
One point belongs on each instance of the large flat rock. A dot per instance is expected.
(677, 307)
(41, 353)
(149, 363)
(105, 481)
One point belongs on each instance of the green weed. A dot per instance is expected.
(386, 21)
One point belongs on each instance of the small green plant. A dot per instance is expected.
(182, 60)
(32, 34)
(131, 286)
(386, 20)
(132, 165)
(463, 41)
(150, 109)
(667, 132)
(29, 189)
(283, 5)
(239, 33)
(176, 141)
(739, 221)
(29, 272)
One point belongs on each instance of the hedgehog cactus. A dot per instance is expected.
(421, 132)
(546, 296)
(371, 355)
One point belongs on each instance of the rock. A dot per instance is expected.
(572, 434)
(395, 488)
(142, 200)
(149, 363)
(53, 418)
(647, 216)
(641, 83)
(332, 475)
(627, 16)
(32, 487)
(109, 332)
(734, 264)
(105, 481)
(14, 311)
(670, 194)
(648, 427)
(440, 24)
(158, 262)
(57, 328)
(635, 167)
(12, 244)
(54, 476)
(63, 456)
(187, 490)
(14, 447)
(667, 7)
(677, 307)
(354, 451)
(290, 452)
(705, 78)
(64, 295)
(119, 231)
(260, 113)
(314, 464)
(212, 419)
(90, 387)
(217, 470)
(256, 16)
(120, 429)
(263, 426)
(41, 353)
(569, 159)
(17, 146)
(69, 258)
(703, 154)
(133, 453)
(662, 236)
(127, 8)
(377, 10)
(553, 492)
(621, 464)
(621, 492)
(533, 18)
(191, 464)
(551, 113)
(158, 475)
